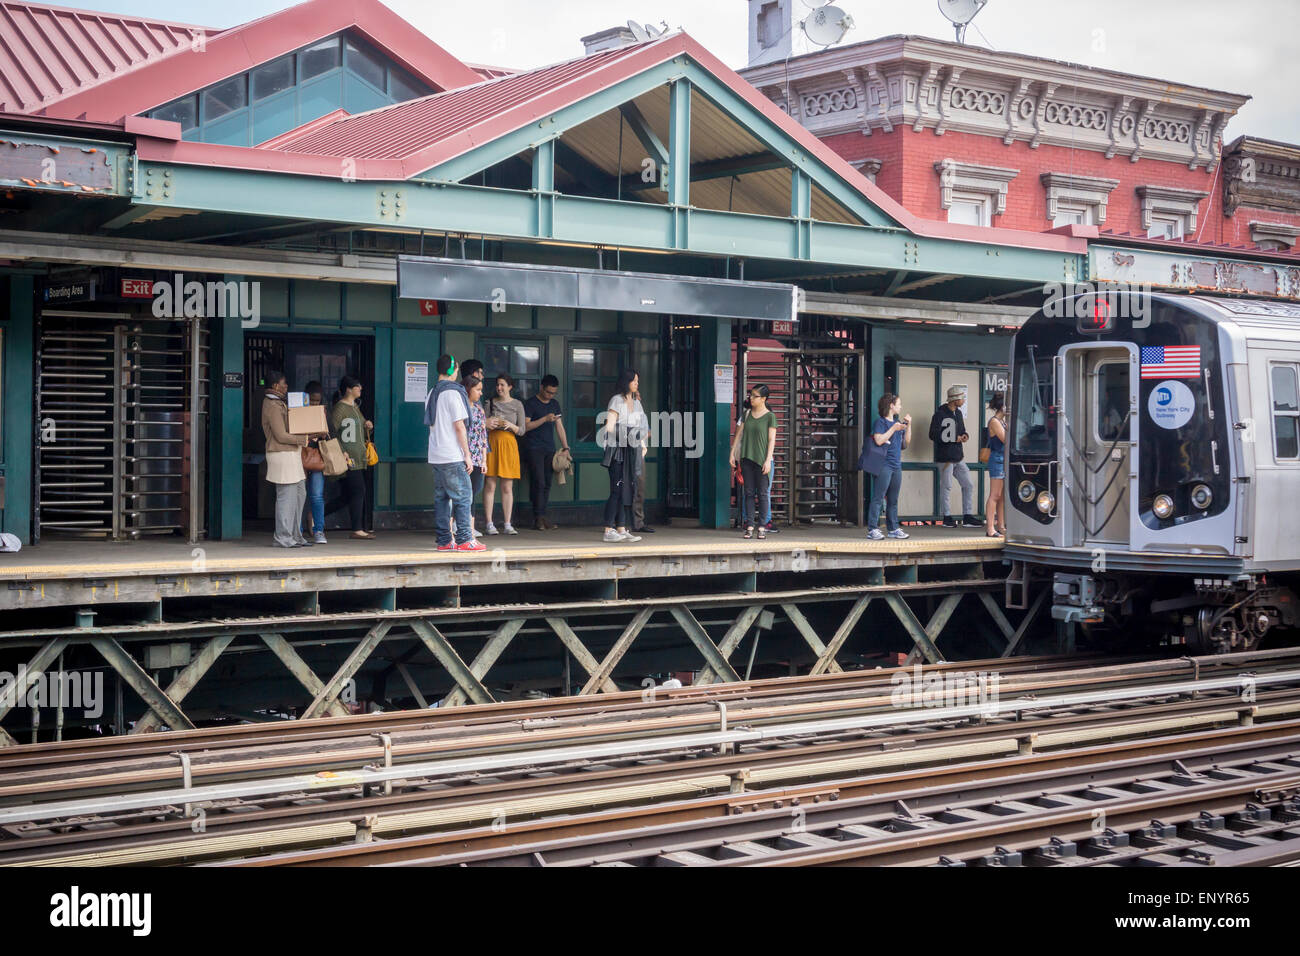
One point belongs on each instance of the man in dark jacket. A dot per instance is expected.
(948, 432)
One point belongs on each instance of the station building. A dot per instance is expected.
(289, 162)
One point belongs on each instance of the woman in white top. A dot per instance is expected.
(623, 437)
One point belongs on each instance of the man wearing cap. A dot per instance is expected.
(948, 432)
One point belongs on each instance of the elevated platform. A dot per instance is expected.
(99, 575)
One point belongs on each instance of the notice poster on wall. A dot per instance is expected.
(417, 381)
(724, 383)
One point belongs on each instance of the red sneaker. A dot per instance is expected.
(471, 546)
(449, 546)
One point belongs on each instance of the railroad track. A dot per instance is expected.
(783, 746)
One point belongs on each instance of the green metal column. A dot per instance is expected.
(715, 470)
(226, 445)
(19, 355)
(679, 162)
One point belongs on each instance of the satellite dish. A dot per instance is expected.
(645, 32)
(961, 13)
(827, 25)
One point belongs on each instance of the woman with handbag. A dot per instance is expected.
(995, 524)
(883, 459)
(505, 424)
(313, 516)
(623, 435)
(352, 430)
(753, 448)
(476, 437)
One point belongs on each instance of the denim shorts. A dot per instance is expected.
(997, 466)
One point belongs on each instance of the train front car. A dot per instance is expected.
(1147, 474)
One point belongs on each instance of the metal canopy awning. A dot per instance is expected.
(463, 280)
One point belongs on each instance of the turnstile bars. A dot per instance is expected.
(123, 411)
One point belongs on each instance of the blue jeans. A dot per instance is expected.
(767, 512)
(884, 491)
(452, 493)
(997, 465)
(315, 501)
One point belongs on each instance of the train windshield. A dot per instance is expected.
(1034, 425)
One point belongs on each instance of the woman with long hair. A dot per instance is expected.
(505, 424)
(624, 438)
(351, 428)
(995, 524)
(753, 448)
(477, 437)
(894, 429)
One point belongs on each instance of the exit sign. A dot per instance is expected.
(783, 328)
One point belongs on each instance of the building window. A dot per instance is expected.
(318, 58)
(184, 111)
(967, 185)
(1165, 227)
(225, 97)
(274, 77)
(1286, 413)
(1274, 236)
(1077, 200)
(594, 376)
(970, 209)
(523, 363)
(1169, 213)
(366, 65)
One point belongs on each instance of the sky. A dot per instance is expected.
(1250, 47)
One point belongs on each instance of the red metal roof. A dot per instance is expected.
(48, 53)
(1192, 247)
(395, 132)
(181, 69)
(402, 141)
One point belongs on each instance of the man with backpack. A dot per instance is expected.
(446, 412)
(948, 432)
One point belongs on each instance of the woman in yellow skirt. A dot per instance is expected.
(505, 423)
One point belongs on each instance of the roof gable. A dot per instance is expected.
(49, 53)
(191, 67)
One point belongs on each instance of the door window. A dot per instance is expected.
(1286, 413)
(594, 373)
(1112, 400)
(523, 363)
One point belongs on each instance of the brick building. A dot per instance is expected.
(965, 134)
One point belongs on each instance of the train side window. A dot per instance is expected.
(1286, 413)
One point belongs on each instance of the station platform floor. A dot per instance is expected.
(65, 558)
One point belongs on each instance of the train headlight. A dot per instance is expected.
(1046, 502)
(1163, 506)
(1201, 497)
(1026, 491)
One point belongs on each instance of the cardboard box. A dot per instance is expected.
(308, 421)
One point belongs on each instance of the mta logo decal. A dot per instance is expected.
(1164, 396)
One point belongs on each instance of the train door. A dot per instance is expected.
(1099, 470)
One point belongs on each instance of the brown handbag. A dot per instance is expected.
(311, 459)
(985, 452)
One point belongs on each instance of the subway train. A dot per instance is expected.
(1153, 467)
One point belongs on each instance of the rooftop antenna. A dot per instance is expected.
(645, 32)
(961, 13)
(826, 25)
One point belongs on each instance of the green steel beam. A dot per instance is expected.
(679, 162)
(715, 469)
(654, 147)
(478, 210)
(544, 187)
(714, 169)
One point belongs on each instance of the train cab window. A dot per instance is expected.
(1034, 421)
(1286, 413)
(1112, 400)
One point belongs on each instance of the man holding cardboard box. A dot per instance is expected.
(284, 459)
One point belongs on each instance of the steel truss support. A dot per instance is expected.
(601, 675)
(806, 630)
(923, 637)
(299, 669)
(17, 691)
(841, 635)
(139, 680)
(329, 694)
(579, 651)
(1013, 642)
(485, 659)
(451, 661)
(184, 682)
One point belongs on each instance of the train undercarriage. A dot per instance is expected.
(1209, 615)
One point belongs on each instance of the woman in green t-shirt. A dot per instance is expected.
(352, 428)
(753, 448)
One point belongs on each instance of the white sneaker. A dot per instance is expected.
(875, 534)
(899, 533)
(510, 529)
(478, 533)
(629, 536)
(614, 536)
(492, 529)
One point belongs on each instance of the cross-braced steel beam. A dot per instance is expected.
(16, 691)
(139, 680)
(184, 682)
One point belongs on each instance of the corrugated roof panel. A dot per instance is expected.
(49, 52)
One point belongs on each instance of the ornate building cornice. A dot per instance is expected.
(941, 86)
(1261, 174)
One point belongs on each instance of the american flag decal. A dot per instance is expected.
(1171, 361)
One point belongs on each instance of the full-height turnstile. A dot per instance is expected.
(122, 408)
